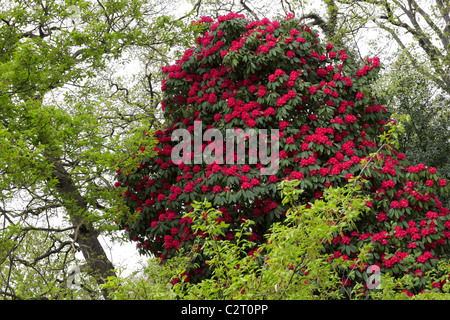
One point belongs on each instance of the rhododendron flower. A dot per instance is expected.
(422, 259)
(312, 90)
(321, 72)
(297, 175)
(395, 204)
(431, 215)
(217, 117)
(403, 203)
(205, 188)
(290, 140)
(284, 125)
(376, 62)
(344, 57)
(388, 184)
(290, 54)
(246, 185)
(350, 118)
(345, 240)
(429, 183)
(262, 91)
(269, 111)
(188, 189)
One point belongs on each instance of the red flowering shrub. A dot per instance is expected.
(279, 76)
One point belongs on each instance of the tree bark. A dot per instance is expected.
(86, 236)
(407, 18)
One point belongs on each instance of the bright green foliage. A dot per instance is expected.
(392, 288)
(150, 283)
(67, 121)
(291, 264)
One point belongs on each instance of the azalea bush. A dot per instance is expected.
(278, 75)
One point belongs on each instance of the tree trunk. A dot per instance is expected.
(85, 235)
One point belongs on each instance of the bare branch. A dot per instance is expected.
(408, 53)
(45, 255)
(246, 7)
(194, 9)
(427, 18)
(26, 229)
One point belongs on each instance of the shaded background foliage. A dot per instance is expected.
(427, 136)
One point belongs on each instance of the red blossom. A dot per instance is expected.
(359, 96)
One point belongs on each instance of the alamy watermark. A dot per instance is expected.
(73, 281)
(374, 281)
(230, 150)
(75, 16)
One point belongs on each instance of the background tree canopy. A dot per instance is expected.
(66, 117)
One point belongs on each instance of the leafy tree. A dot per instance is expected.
(65, 119)
(426, 137)
(152, 282)
(278, 75)
(420, 28)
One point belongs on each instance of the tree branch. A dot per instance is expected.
(426, 16)
(195, 8)
(45, 255)
(246, 7)
(26, 229)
